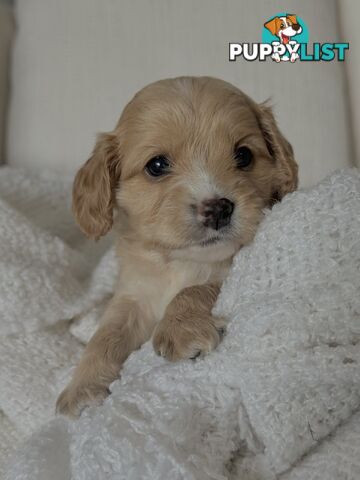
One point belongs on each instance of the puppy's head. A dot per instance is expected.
(189, 167)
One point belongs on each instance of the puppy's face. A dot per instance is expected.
(190, 167)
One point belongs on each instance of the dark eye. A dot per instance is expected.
(157, 166)
(243, 157)
(282, 25)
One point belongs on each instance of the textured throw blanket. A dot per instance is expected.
(279, 398)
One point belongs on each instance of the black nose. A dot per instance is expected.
(217, 212)
(296, 26)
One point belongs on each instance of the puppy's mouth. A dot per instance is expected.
(210, 241)
(285, 38)
(204, 243)
(212, 249)
(215, 238)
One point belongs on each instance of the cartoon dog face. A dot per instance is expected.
(284, 27)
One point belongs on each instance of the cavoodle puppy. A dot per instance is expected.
(183, 178)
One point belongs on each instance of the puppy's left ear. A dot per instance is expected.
(94, 187)
(286, 169)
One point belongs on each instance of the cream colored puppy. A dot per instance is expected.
(184, 176)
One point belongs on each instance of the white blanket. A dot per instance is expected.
(278, 399)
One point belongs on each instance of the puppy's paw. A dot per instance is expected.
(76, 397)
(183, 338)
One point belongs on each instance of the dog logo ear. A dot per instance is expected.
(272, 25)
(292, 18)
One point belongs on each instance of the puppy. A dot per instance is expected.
(184, 177)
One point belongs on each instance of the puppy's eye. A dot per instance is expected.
(243, 157)
(282, 25)
(157, 166)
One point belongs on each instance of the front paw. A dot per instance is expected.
(76, 397)
(183, 338)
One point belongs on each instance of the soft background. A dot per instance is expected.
(75, 64)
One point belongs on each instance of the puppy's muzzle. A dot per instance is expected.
(216, 213)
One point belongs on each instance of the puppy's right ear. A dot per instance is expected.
(286, 172)
(94, 187)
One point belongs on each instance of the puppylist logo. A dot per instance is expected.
(285, 38)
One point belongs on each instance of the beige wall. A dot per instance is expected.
(77, 62)
(349, 14)
(6, 31)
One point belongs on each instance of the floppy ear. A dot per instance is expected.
(286, 171)
(272, 25)
(292, 18)
(94, 187)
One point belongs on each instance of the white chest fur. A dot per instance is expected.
(154, 282)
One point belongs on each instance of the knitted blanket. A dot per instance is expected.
(280, 396)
